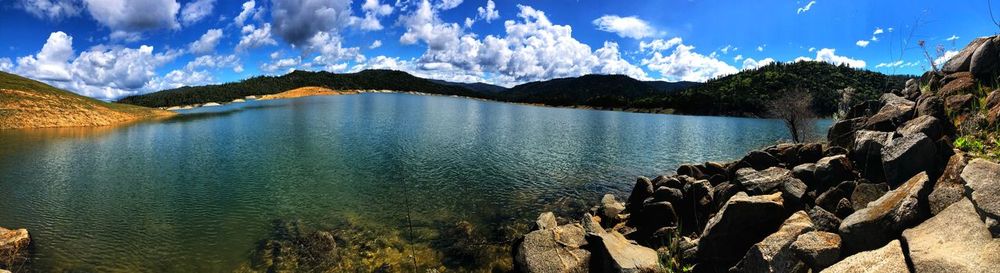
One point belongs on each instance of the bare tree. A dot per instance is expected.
(794, 108)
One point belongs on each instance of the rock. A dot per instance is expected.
(887, 259)
(558, 249)
(833, 170)
(955, 240)
(993, 116)
(667, 181)
(931, 106)
(928, 125)
(656, 215)
(697, 205)
(958, 86)
(912, 89)
(722, 192)
(885, 218)
(962, 61)
(949, 188)
(805, 172)
(810, 152)
(983, 63)
(13, 246)
(993, 99)
(786, 153)
(959, 103)
(889, 117)
(867, 152)
(907, 156)
(774, 254)
(864, 109)
(834, 151)
(668, 194)
(981, 179)
(690, 170)
(760, 160)
(546, 220)
(818, 249)
(844, 208)
(613, 253)
(867, 192)
(742, 222)
(609, 209)
(830, 199)
(763, 182)
(841, 133)
(893, 99)
(824, 220)
(643, 189)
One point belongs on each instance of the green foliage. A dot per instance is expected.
(969, 144)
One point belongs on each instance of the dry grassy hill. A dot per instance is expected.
(305, 92)
(26, 103)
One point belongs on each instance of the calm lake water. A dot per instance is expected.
(196, 192)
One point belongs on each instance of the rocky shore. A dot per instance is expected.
(887, 192)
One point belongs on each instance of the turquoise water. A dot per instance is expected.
(196, 192)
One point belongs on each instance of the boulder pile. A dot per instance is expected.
(887, 192)
(13, 248)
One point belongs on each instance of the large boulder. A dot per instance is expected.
(960, 103)
(867, 192)
(841, 133)
(887, 217)
(774, 254)
(982, 179)
(818, 249)
(890, 117)
(930, 126)
(612, 252)
(609, 210)
(887, 259)
(742, 222)
(759, 160)
(931, 106)
(832, 170)
(553, 249)
(643, 189)
(955, 240)
(907, 156)
(766, 181)
(824, 220)
(960, 83)
(962, 60)
(13, 246)
(984, 61)
(949, 188)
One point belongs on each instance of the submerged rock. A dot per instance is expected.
(774, 254)
(885, 218)
(953, 241)
(887, 259)
(742, 222)
(555, 249)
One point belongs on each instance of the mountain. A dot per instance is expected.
(668, 87)
(26, 103)
(589, 90)
(748, 92)
(483, 88)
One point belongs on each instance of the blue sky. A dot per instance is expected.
(112, 48)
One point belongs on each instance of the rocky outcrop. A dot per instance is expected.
(612, 252)
(13, 247)
(955, 240)
(553, 248)
(982, 179)
(884, 219)
(907, 156)
(887, 259)
(774, 253)
(742, 222)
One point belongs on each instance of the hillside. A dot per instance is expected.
(746, 93)
(25, 103)
(589, 90)
(305, 92)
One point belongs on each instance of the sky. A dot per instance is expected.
(108, 49)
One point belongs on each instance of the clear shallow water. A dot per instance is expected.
(196, 192)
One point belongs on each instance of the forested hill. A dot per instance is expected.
(742, 94)
(748, 92)
(266, 85)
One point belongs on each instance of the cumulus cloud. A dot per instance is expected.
(611, 62)
(375, 44)
(862, 43)
(683, 64)
(51, 9)
(738, 57)
(330, 52)
(281, 66)
(488, 13)
(659, 44)
(448, 4)
(829, 55)
(134, 15)
(945, 57)
(255, 37)
(805, 8)
(296, 21)
(207, 42)
(373, 10)
(6, 65)
(626, 27)
(197, 10)
(952, 38)
(51, 63)
(247, 11)
(750, 63)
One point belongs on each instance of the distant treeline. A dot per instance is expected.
(742, 94)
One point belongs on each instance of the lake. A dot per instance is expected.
(195, 193)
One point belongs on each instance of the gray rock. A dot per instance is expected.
(893, 99)
(546, 220)
(889, 117)
(668, 194)
(867, 192)
(609, 209)
(818, 249)
(983, 62)
(870, 143)
(841, 133)
(907, 156)
(982, 179)
(824, 220)
(760, 160)
(643, 189)
(931, 106)
(885, 218)
(614, 253)
(14, 246)
(928, 125)
(763, 182)
(833, 170)
(722, 192)
(950, 187)
(962, 60)
(805, 172)
(887, 259)
(774, 254)
(955, 240)
(742, 222)
(559, 249)
(830, 200)
(960, 103)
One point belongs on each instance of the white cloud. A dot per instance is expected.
(448, 4)
(659, 44)
(738, 57)
(331, 52)
(952, 38)
(945, 57)
(750, 63)
(51, 63)
(862, 43)
(255, 37)
(829, 55)
(488, 13)
(207, 42)
(51, 9)
(878, 31)
(213, 62)
(611, 62)
(297, 21)
(725, 50)
(811, 49)
(373, 10)
(806, 8)
(375, 44)
(761, 47)
(626, 27)
(248, 10)
(683, 64)
(134, 15)
(6, 65)
(197, 10)
(281, 66)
